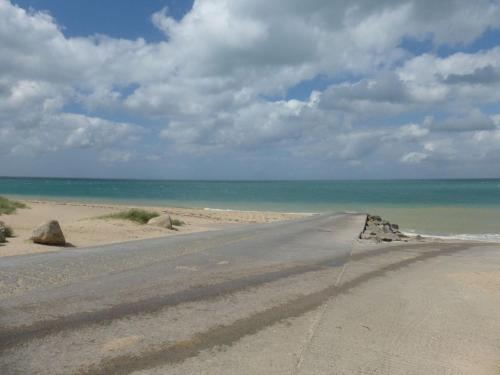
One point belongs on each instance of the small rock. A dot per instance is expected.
(162, 221)
(7, 231)
(2, 234)
(49, 233)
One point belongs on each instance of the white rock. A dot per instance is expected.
(49, 233)
(162, 221)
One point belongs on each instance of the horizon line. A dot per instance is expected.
(248, 180)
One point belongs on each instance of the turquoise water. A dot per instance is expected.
(446, 207)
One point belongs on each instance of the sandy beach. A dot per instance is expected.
(83, 226)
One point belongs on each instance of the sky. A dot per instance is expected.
(250, 89)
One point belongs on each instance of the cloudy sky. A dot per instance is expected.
(250, 89)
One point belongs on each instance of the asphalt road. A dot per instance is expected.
(143, 305)
(302, 297)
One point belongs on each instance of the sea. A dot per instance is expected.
(462, 209)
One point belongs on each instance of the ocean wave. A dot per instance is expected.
(224, 210)
(248, 211)
(481, 237)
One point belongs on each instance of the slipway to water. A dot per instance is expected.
(48, 294)
(249, 299)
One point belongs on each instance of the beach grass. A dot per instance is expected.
(8, 206)
(9, 233)
(135, 214)
(177, 222)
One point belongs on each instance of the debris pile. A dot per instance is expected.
(381, 231)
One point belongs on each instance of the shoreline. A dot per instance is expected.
(117, 205)
(461, 221)
(492, 238)
(83, 227)
(83, 224)
(112, 202)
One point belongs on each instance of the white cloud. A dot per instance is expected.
(208, 80)
(94, 132)
(412, 131)
(468, 77)
(114, 156)
(472, 120)
(414, 157)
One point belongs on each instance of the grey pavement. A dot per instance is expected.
(67, 302)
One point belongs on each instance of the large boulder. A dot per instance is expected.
(49, 233)
(162, 221)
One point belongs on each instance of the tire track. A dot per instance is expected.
(229, 334)
(13, 336)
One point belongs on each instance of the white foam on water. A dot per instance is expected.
(482, 237)
(248, 211)
(224, 210)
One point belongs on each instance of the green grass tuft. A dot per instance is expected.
(8, 232)
(8, 206)
(134, 214)
(177, 222)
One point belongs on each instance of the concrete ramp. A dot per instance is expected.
(110, 303)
